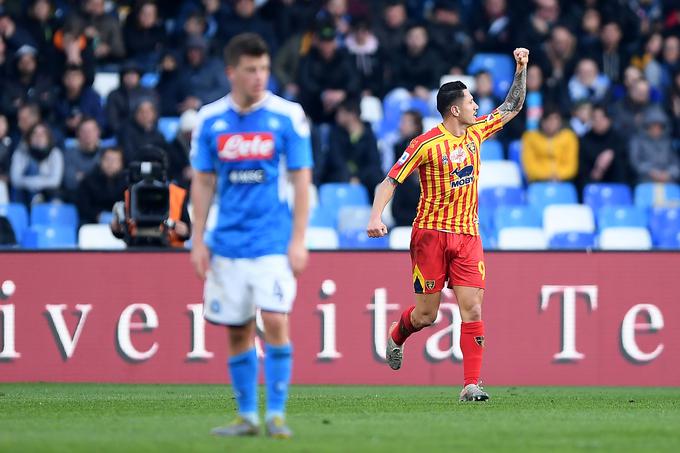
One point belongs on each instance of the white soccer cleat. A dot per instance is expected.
(394, 353)
(473, 392)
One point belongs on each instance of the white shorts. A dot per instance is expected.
(236, 288)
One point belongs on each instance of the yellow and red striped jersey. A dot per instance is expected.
(449, 169)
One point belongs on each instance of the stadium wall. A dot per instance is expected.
(551, 319)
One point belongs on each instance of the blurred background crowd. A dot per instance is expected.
(85, 84)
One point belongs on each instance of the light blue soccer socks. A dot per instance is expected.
(243, 370)
(278, 364)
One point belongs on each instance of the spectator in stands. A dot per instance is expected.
(321, 89)
(179, 169)
(417, 68)
(353, 139)
(670, 63)
(483, 93)
(492, 28)
(245, 18)
(648, 61)
(289, 16)
(120, 102)
(581, 118)
(80, 160)
(77, 101)
(629, 112)
(4, 60)
(144, 35)
(168, 83)
(104, 185)
(13, 34)
(539, 23)
(73, 48)
(194, 25)
(557, 59)
(26, 84)
(673, 106)
(37, 167)
(103, 30)
(369, 60)
(287, 61)
(588, 83)
(603, 154)
(41, 23)
(590, 31)
(405, 200)
(337, 13)
(6, 149)
(449, 38)
(392, 29)
(550, 153)
(28, 116)
(652, 157)
(609, 52)
(200, 18)
(141, 130)
(201, 79)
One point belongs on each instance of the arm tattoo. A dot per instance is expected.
(518, 91)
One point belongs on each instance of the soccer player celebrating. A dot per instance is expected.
(242, 146)
(445, 243)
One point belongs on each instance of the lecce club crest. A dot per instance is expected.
(471, 147)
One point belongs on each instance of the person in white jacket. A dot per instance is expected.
(37, 167)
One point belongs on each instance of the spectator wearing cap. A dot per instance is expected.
(37, 167)
(652, 157)
(121, 101)
(144, 35)
(25, 83)
(78, 161)
(76, 101)
(369, 59)
(245, 18)
(416, 69)
(492, 27)
(103, 29)
(102, 186)
(201, 79)
(392, 28)
(179, 169)
(321, 89)
(353, 139)
(448, 36)
(141, 130)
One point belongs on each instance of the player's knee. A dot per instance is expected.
(474, 312)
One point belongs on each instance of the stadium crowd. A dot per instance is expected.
(603, 86)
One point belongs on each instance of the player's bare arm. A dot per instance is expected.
(383, 194)
(297, 251)
(518, 90)
(202, 191)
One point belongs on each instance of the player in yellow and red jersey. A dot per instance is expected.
(445, 242)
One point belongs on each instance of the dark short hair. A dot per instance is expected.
(448, 94)
(249, 44)
(351, 105)
(43, 124)
(417, 118)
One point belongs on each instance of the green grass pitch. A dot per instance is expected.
(168, 418)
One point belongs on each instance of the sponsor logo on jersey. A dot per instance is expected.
(246, 176)
(462, 176)
(245, 146)
(404, 157)
(457, 155)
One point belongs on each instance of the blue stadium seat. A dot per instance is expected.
(650, 194)
(492, 150)
(358, 239)
(501, 67)
(395, 105)
(168, 126)
(485, 215)
(50, 237)
(105, 217)
(17, 214)
(54, 214)
(598, 195)
(501, 196)
(621, 216)
(488, 236)
(668, 242)
(516, 216)
(664, 223)
(351, 218)
(149, 80)
(572, 241)
(323, 218)
(515, 151)
(108, 142)
(542, 194)
(337, 194)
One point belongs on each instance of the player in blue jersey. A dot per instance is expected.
(244, 149)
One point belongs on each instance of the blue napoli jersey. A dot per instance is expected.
(250, 153)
